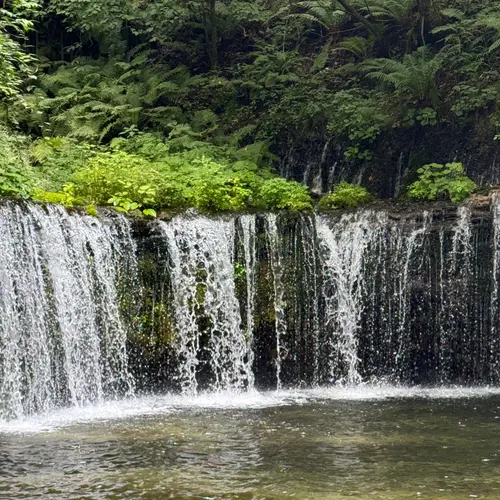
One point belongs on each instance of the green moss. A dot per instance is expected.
(155, 327)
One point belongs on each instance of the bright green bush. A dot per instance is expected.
(15, 173)
(213, 188)
(147, 145)
(178, 181)
(345, 195)
(13, 182)
(64, 198)
(117, 179)
(281, 194)
(438, 181)
(147, 176)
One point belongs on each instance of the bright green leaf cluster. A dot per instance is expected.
(14, 169)
(281, 194)
(345, 195)
(130, 182)
(438, 181)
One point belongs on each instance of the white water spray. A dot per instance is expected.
(202, 275)
(62, 337)
(345, 243)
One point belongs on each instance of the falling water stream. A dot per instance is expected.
(347, 243)
(202, 255)
(62, 337)
(275, 259)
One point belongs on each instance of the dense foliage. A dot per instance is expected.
(176, 103)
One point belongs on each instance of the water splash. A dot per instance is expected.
(175, 404)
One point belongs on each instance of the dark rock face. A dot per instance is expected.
(407, 293)
(320, 162)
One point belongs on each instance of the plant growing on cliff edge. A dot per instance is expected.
(437, 181)
(345, 195)
(280, 194)
(130, 182)
(13, 182)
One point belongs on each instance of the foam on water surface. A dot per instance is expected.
(156, 406)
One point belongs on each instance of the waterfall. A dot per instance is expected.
(248, 300)
(494, 348)
(201, 252)
(311, 271)
(454, 315)
(275, 260)
(249, 240)
(62, 337)
(406, 255)
(346, 243)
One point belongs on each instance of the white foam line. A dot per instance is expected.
(170, 403)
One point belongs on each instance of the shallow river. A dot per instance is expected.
(365, 443)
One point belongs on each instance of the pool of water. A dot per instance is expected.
(365, 443)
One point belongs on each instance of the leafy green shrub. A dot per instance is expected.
(438, 181)
(345, 195)
(15, 174)
(147, 145)
(118, 179)
(16, 64)
(156, 178)
(55, 159)
(91, 99)
(13, 182)
(359, 118)
(65, 198)
(178, 181)
(281, 194)
(107, 175)
(213, 188)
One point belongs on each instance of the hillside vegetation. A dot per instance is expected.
(151, 104)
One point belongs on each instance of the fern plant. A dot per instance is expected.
(413, 77)
(16, 65)
(321, 12)
(15, 172)
(490, 19)
(91, 100)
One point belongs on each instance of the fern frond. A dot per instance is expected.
(356, 45)
(453, 13)
(494, 46)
